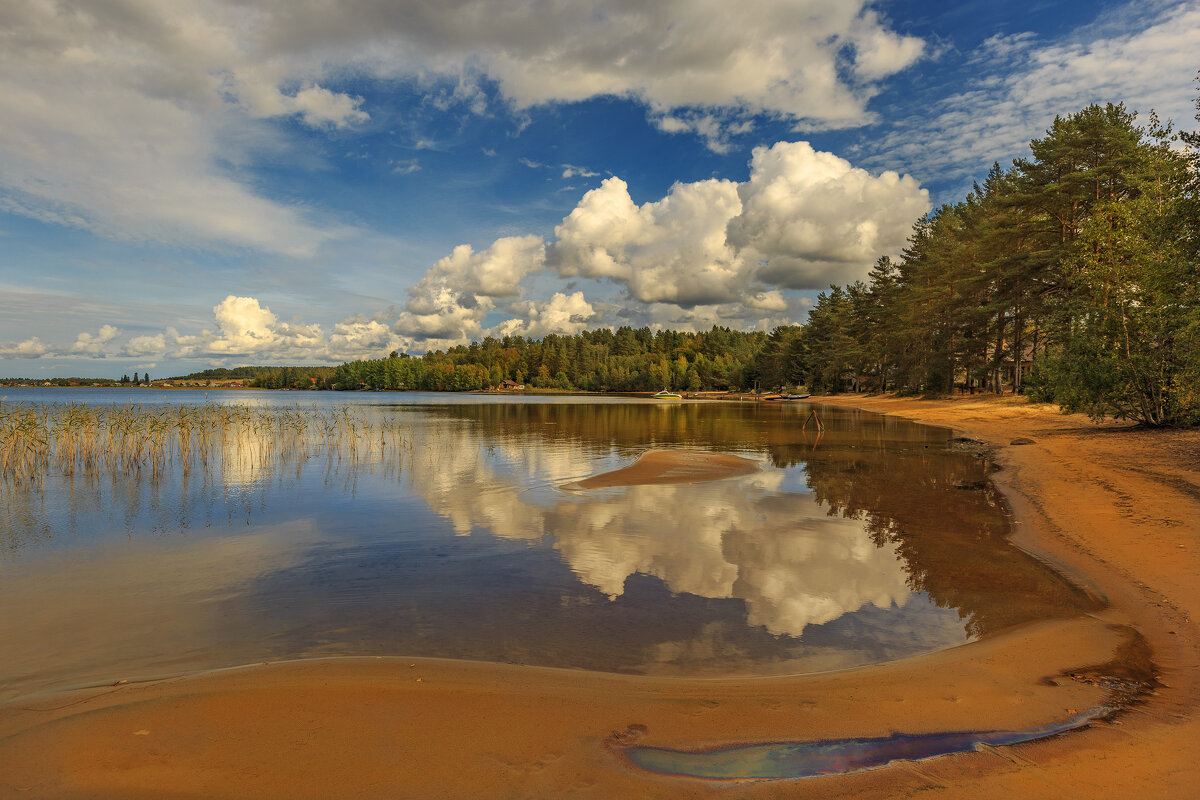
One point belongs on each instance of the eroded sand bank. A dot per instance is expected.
(1116, 510)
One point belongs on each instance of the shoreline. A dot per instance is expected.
(1116, 509)
(379, 727)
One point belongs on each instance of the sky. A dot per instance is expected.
(187, 184)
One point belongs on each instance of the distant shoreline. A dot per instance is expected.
(545, 392)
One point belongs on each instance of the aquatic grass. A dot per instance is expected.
(76, 439)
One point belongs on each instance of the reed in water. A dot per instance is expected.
(77, 439)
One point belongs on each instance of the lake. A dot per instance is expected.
(449, 528)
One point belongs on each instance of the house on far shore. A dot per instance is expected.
(507, 384)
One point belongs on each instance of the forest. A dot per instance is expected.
(1071, 277)
(602, 360)
(267, 377)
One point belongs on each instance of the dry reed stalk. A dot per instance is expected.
(36, 440)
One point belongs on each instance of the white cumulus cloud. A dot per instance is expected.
(130, 119)
(712, 252)
(150, 345)
(810, 60)
(95, 344)
(364, 337)
(443, 317)
(495, 272)
(124, 119)
(245, 325)
(671, 250)
(245, 328)
(448, 305)
(810, 218)
(804, 219)
(564, 314)
(33, 347)
(318, 106)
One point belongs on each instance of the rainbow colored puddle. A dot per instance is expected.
(784, 760)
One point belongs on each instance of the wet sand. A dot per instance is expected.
(671, 466)
(1115, 509)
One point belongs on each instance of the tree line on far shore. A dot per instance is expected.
(602, 360)
(306, 377)
(1072, 277)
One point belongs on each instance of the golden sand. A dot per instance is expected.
(1115, 509)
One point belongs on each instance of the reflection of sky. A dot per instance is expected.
(757, 538)
(460, 544)
(161, 603)
(794, 481)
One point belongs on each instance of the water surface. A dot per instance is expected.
(874, 541)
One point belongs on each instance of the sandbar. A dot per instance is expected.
(1114, 508)
(671, 466)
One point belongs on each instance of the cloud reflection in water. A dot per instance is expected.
(780, 552)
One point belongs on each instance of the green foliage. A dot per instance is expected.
(625, 360)
(1133, 353)
(1075, 275)
(221, 374)
(63, 382)
(268, 377)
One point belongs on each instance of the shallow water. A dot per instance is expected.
(874, 541)
(783, 760)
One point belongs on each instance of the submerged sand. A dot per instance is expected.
(1115, 509)
(671, 466)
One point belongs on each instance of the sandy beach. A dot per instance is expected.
(1113, 508)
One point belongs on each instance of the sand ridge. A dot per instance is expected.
(671, 466)
(1114, 508)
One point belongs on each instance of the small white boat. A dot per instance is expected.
(665, 395)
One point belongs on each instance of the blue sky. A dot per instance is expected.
(195, 183)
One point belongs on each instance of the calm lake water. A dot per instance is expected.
(875, 541)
